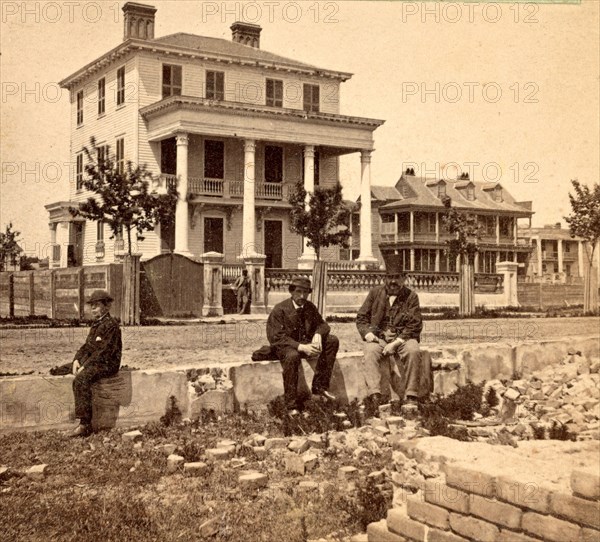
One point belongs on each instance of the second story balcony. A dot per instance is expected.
(224, 188)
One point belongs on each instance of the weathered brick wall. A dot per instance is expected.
(472, 504)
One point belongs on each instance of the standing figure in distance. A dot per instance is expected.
(295, 329)
(243, 292)
(390, 323)
(99, 357)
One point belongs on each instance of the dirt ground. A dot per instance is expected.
(24, 350)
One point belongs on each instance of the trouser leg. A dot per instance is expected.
(82, 391)
(414, 367)
(325, 362)
(372, 370)
(290, 363)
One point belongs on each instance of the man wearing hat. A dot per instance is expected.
(99, 357)
(296, 330)
(390, 323)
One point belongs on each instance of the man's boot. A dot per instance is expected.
(372, 403)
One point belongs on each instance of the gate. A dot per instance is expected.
(171, 285)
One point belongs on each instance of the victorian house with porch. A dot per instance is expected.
(407, 225)
(233, 125)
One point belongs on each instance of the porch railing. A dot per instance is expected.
(232, 271)
(205, 186)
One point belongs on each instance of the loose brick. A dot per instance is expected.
(300, 463)
(496, 512)
(590, 535)
(220, 454)
(315, 441)
(586, 483)
(576, 509)
(524, 494)
(470, 480)
(511, 536)
(195, 468)
(37, 472)
(272, 443)
(427, 513)
(174, 462)
(398, 522)
(549, 528)
(448, 497)
(378, 532)
(381, 430)
(132, 436)
(347, 473)
(474, 528)
(444, 536)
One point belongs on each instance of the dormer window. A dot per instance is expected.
(498, 193)
(470, 193)
(466, 188)
(441, 190)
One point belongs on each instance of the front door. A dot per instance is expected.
(213, 235)
(273, 243)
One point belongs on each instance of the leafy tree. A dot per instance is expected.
(122, 198)
(324, 221)
(584, 222)
(9, 246)
(467, 232)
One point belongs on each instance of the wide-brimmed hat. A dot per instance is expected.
(301, 282)
(99, 295)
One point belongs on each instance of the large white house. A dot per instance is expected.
(235, 126)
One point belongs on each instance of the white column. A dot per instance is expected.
(539, 254)
(476, 262)
(412, 226)
(515, 230)
(181, 211)
(580, 258)
(248, 210)
(62, 239)
(437, 227)
(412, 259)
(366, 249)
(437, 260)
(497, 230)
(560, 255)
(307, 260)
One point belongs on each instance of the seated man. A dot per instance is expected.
(390, 323)
(99, 357)
(295, 329)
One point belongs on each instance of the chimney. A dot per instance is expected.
(246, 34)
(557, 225)
(138, 21)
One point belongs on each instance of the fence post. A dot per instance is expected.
(81, 288)
(130, 303)
(256, 270)
(52, 295)
(509, 270)
(31, 295)
(213, 284)
(11, 295)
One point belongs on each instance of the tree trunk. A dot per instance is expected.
(590, 289)
(129, 240)
(466, 289)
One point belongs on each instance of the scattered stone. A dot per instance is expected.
(361, 453)
(381, 430)
(306, 486)
(167, 449)
(4, 473)
(300, 463)
(209, 528)
(347, 424)
(273, 443)
(132, 436)
(238, 462)
(174, 462)
(340, 415)
(37, 472)
(316, 441)
(220, 454)
(260, 452)
(377, 476)
(226, 443)
(195, 468)
(138, 446)
(299, 446)
(395, 421)
(511, 394)
(254, 480)
(347, 473)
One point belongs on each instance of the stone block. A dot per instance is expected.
(549, 528)
(378, 532)
(511, 536)
(220, 454)
(427, 513)
(276, 442)
(219, 401)
(254, 480)
(575, 509)
(487, 361)
(590, 535)
(444, 536)
(347, 473)
(447, 497)
(586, 483)
(316, 442)
(260, 452)
(533, 356)
(524, 494)
(471, 480)
(394, 421)
(226, 443)
(381, 430)
(209, 528)
(300, 464)
(473, 528)
(174, 462)
(496, 512)
(196, 468)
(132, 436)
(36, 472)
(167, 449)
(299, 446)
(398, 522)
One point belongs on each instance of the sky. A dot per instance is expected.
(506, 92)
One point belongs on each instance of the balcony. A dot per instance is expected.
(549, 255)
(224, 188)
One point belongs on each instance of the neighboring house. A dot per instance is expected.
(233, 125)
(408, 223)
(555, 256)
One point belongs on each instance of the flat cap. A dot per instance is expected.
(99, 295)
(302, 282)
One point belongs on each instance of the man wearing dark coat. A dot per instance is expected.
(390, 323)
(99, 357)
(295, 329)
